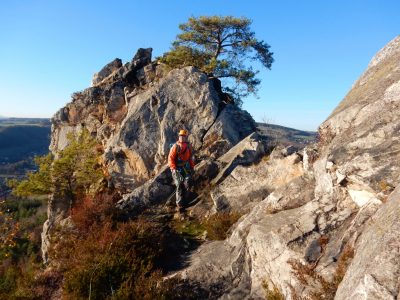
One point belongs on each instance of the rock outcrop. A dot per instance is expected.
(341, 198)
(135, 113)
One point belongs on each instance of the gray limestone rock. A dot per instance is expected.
(361, 135)
(231, 126)
(183, 99)
(246, 152)
(106, 71)
(144, 54)
(57, 210)
(247, 185)
(374, 271)
(136, 126)
(154, 191)
(294, 193)
(150, 73)
(205, 170)
(313, 251)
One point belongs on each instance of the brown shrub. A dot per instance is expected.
(324, 137)
(99, 148)
(110, 257)
(76, 95)
(94, 211)
(116, 116)
(217, 225)
(327, 289)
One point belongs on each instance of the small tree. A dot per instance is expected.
(75, 169)
(220, 46)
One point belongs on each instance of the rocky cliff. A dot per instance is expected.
(337, 197)
(135, 112)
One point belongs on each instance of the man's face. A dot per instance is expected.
(182, 138)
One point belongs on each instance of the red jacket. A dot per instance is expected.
(185, 155)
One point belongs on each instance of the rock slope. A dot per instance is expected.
(344, 196)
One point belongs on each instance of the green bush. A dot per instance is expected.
(21, 208)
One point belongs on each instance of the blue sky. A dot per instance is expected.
(50, 49)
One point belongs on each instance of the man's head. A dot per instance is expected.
(183, 134)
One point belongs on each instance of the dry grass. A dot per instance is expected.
(76, 95)
(116, 116)
(217, 225)
(325, 136)
(275, 294)
(383, 185)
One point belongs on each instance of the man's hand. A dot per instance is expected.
(174, 171)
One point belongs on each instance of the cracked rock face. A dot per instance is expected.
(363, 131)
(245, 186)
(343, 197)
(374, 272)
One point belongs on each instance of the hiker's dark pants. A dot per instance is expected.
(183, 191)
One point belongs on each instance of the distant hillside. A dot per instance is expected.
(18, 141)
(24, 121)
(286, 136)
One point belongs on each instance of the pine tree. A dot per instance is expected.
(221, 47)
(75, 169)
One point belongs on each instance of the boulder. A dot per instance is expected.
(247, 185)
(206, 170)
(150, 73)
(245, 153)
(292, 194)
(231, 126)
(136, 125)
(144, 54)
(313, 250)
(57, 210)
(183, 99)
(153, 192)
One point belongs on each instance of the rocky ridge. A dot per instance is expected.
(346, 192)
(307, 207)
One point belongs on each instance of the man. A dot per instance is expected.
(180, 161)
